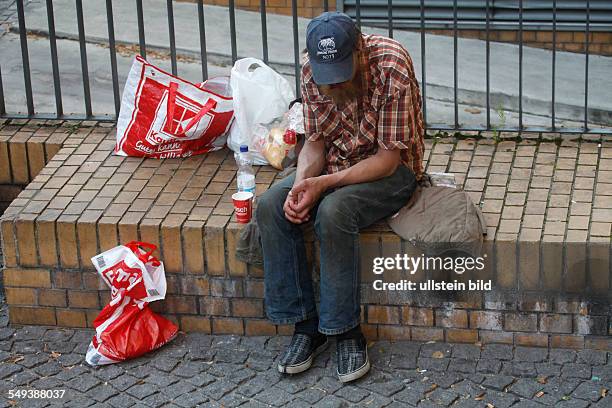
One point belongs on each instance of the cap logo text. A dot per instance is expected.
(327, 48)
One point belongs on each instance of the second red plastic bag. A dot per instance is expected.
(127, 328)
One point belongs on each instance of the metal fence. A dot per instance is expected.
(422, 19)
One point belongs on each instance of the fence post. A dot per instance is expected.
(83, 49)
(25, 57)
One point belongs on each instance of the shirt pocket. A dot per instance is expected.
(345, 143)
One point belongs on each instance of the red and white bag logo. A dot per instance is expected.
(166, 116)
(174, 127)
(122, 276)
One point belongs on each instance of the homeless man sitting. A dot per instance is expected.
(360, 163)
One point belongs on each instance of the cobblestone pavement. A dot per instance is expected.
(215, 371)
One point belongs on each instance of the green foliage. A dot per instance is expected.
(502, 123)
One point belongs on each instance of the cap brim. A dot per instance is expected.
(332, 73)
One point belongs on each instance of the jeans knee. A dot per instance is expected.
(269, 207)
(265, 208)
(333, 218)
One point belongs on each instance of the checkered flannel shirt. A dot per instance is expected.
(389, 114)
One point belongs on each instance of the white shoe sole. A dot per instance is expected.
(298, 368)
(360, 372)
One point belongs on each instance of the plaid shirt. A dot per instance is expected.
(389, 114)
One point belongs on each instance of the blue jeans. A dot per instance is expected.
(338, 216)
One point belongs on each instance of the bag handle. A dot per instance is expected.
(147, 256)
(171, 106)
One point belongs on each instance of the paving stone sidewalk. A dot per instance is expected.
(227, 371)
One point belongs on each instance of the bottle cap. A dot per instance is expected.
(244, 148)
(290, 137)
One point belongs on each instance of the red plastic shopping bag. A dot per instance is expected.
(127, 328)
(165, 116)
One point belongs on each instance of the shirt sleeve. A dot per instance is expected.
(397, 126)
(311, 128)
(310, 123)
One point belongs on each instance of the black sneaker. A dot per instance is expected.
(353, 361)
(300, 352)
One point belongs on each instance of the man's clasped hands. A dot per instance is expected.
(303, 197)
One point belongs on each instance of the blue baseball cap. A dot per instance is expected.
(331, 39)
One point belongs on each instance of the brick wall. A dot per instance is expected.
(24, 151)
(232, 303)
(8, 193)
(214, 293)
(573, 41)
(546, 204)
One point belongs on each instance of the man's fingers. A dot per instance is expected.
(303, 204)
(299, 187)
(293, 197)
(296, 205)
(297, 220)
(293, 219)
(290, 212)
(292, 203)
(303, 214)
(288, 208)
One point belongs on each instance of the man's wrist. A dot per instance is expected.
(328, 181)
(299, 176)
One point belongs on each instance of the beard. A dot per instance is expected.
(346, 92)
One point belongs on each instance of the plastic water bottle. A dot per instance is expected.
(246, 174)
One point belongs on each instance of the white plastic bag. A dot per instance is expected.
(114, 267)
(260, 96)
(277, 141)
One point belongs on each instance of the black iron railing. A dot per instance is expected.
(421, 18)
